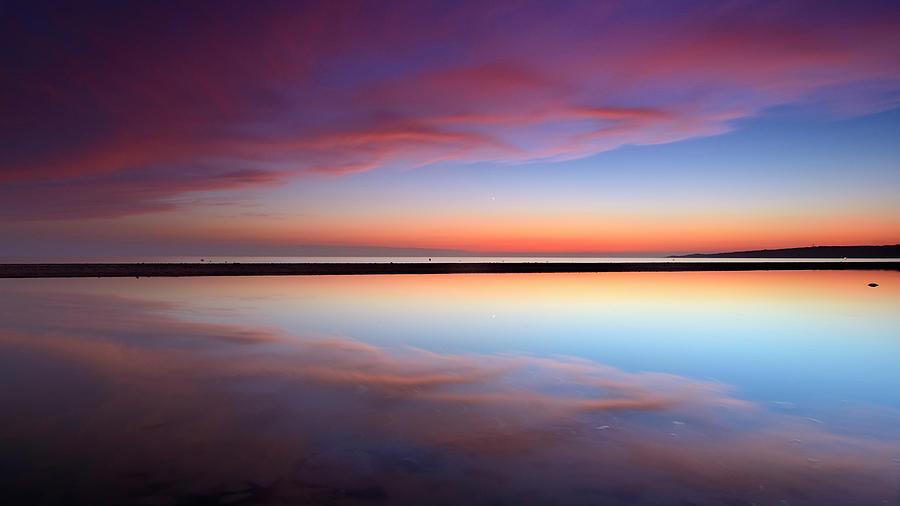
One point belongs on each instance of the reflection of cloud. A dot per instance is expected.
(303, 419)
(137, 112)
(116, 318)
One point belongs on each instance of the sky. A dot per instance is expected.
(370, 128)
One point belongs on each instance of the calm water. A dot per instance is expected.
(740, 388)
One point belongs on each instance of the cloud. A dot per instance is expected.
(126, 109)
(122, 193)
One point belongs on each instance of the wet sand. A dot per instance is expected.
(308, 269)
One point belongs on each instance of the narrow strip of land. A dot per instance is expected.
(307, 269)
(884, 251)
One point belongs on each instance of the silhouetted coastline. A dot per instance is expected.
(887, 251)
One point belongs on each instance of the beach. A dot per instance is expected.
(81, 270)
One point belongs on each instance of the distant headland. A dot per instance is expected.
(888, 251)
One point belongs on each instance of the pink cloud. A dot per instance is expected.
(279, 90)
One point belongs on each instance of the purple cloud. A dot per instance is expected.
(115, 111)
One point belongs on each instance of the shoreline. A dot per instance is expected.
(329, 269)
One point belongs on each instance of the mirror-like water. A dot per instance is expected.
(617, 388)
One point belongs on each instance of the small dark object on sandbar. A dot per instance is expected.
(873, 285)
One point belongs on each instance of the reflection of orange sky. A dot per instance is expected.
(776, 290)
(571, 287)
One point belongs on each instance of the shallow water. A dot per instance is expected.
(729, 388)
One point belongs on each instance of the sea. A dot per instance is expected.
(623, 388)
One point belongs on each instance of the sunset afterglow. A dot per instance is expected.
(281, 128)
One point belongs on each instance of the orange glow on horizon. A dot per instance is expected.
(546, 233)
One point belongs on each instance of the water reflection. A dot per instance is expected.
(150, 399)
